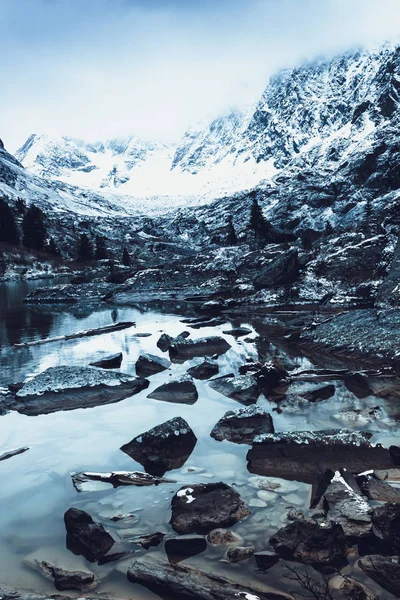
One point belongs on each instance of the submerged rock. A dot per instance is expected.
(385, 570)
(86, 537)
(181, 390)
(206, 506)
(83, 581)
(184, 349)
(205, 370)
(68, 388)
(224, 537)
(86, 482)
(302, 455)
(243, 388)
(239, 553)
(242, 425)
(113, 361)
(186, 581)
(165, 447)
(149, 364)
(151, 540)
(183, 546)
(266, 559)
(322, 392)
(310, 543)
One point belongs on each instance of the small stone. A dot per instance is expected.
(239, 553)
(219, 537)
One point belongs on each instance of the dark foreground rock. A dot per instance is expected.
(113, 361)
(385, 570)
(183, 546)
(86, 482)
(238, 331)
(184, 349)
(86, 537)
(303, 455)
(181, 391)
(165, 447)
(150, 540)
(165, 340)
(63, 579)
(205, 370)
(7, 593)
(375, 489)
(282, 270)
(241, 426)
(243, 388)
(266, 559)
(149, 364)
(68, 388)
(386, 520)
(189, 583)
(322, 392)
(310, 543)
(12, 453)
(206, 506)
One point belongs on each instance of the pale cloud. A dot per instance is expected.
(105, 68)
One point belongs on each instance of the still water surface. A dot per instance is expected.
(36, 487)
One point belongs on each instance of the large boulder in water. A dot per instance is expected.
(149, 364)
(310, 543)
(243, 425)
(243, 388)
(282, 270)
(164, 447)
(205, 370)
(385, 570)
(112, 361)
(181, 390)
(86, 537)
(183, 349)
(63, 579)
(206, 506)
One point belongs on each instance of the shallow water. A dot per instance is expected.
(36, 486)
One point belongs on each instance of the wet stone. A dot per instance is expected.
(243, 388)
(183, 546)
(266, 559)
(181, 391)
(239, 553)
(149, 364)
(205, 370)
(319, 393)
(86, 537)
(224, 537)
(242, 425)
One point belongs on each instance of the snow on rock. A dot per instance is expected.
(57, 379)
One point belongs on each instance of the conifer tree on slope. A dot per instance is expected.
(34, 228)
(8, 226)
(85, 248)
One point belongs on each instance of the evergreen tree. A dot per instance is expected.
(126, 259)
(258, 222)
(8, 227)
(329, 228)
(21, 206)
(231, 237)
(52, 248)
(34, 228)
(85, 248)
(101, 249)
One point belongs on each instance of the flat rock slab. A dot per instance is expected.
(181, 547)
(238, 331)
(376, 489)
(165, 447)
(188, 582)
(303, 455)
(241, 426)
(206, 506)
(310, 543)
(86, 482)
(86, 537)
(385, 570)
(69, 293)
(112, 361)
(149, 364)
(12, 453)
(63, 579)
(243, 388)
(205, 370)
(118, 387)
(7, 593)
(184, 349)
(181, 391)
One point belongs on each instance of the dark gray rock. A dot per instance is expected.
(64, 579)
(238, 331)
(187, 582)
(183, 546)
(375, 489)
(113, 361)
(12, 453)
(386, 520)
(164, 447)
(185, 349)
(181, 390)
(86, 537)
(266, 559)
(385, 570)
(239, 553)
(151, 540)
(86, 482)
(282, 270)
(205, 370)
(243, 388)
(303, 455)
(224, 537)
(149, 364)
(310, 543)
(164, 342)
(70, 294)
(241, 426)
(322, 392)
(203, 507)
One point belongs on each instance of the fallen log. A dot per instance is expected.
(329, 374)
(87, 333)
(188, 582)
(82, 481)
(13, 453)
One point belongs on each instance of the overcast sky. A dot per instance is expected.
(96, 69)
